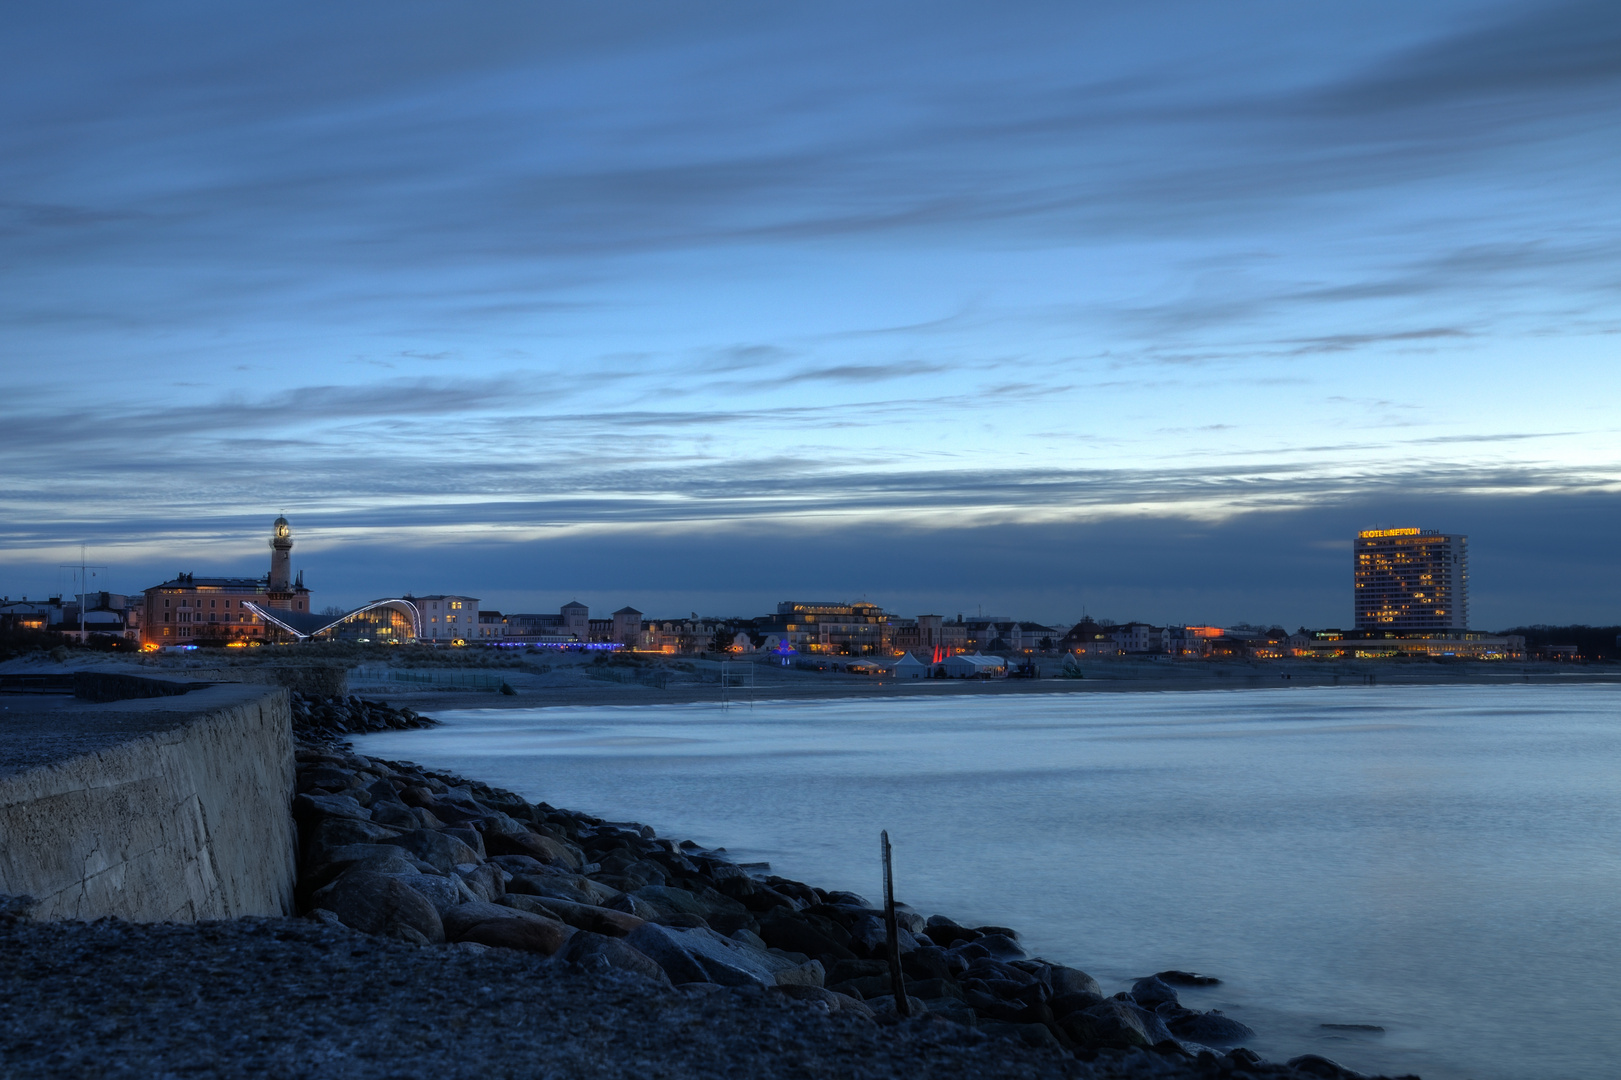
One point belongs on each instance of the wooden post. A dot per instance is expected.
(896, 981)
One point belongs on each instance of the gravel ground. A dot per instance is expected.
(297, 998)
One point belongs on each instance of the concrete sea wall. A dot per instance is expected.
(169, 808)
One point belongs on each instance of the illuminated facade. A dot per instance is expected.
(447, 618)
(1411, 579)
(851, 629)
(386, 622)
(188, 608)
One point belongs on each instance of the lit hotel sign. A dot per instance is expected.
(1373, 534)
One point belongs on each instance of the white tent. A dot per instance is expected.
(910, 667)
(971, 666)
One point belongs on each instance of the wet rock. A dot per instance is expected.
(1064, 1004)
(1316, 1065)
(1150, 993)
(946, 933)
(1113, 1023)
(1068, 980)
(1210, 1028)
(1001, 946)
(1186, 978)
(379, 904)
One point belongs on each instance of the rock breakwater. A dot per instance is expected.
(426, 858)
(324, 720)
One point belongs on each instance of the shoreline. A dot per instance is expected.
(450, 928)
(677, 913)
(587, 694)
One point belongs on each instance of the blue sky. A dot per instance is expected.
(1017, 306)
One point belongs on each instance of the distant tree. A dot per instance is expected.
(1046, 644)
(721, 641)
(998, 645)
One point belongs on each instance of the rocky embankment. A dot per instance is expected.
(421, 857)
(321, 720)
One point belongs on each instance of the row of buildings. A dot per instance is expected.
(1410, 587)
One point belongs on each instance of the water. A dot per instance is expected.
(1444, 862)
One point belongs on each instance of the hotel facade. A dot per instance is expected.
(1411, 579)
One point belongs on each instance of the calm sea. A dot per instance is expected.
(1442, 862)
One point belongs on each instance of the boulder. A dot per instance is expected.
(1111, 1023)
(486, 882)
(1151, 993)
(665, 948)
(1068, 980)
(594, 952)
(471, 837)
(563, 887)
(542, 849)
(328, 777)
(1000, 946)
(928, 962)
(505, 928)
(379, 904)
(332, 833)
(396, 814)
(782, 930)
(884, 1007)
(308, 809)
(682, 953)
(1211, 1028)
(443, 893)
(942, 931)
(598, 920)
(1064, 1004)
(808, 974)
(1317, 1065)
(438, 850)
(1186, 978)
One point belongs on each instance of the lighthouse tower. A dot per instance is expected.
(279, 588)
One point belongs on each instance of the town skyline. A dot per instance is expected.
(1067, 288)
(344, 594)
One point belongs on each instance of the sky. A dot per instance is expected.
(1141, 309)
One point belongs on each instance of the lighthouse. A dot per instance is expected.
(279, 587)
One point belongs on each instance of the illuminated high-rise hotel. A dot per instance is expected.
(1411, 579)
